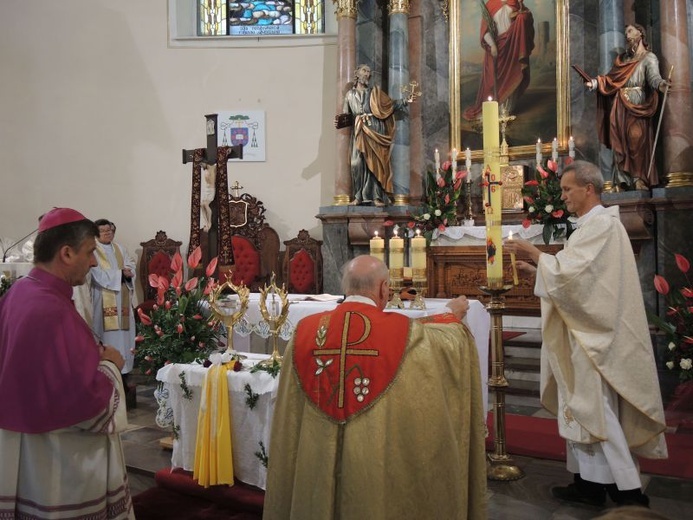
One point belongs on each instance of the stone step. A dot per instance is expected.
(522, 364)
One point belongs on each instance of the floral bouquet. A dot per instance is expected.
(544, 204)
(179, 329)
(439, 210)
(678, 325)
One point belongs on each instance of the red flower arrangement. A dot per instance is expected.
(179, 328)
(439, 209)
(678, 325)
(544, 205)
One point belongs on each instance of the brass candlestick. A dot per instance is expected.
(501, 465)
(396, 284)
(419, 281)
(274, 315)
(230, 310)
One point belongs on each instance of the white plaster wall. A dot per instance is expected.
(95, 108)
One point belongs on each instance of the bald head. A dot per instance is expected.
(367, 276)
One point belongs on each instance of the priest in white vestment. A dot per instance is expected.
(112, 291)
(598, 373)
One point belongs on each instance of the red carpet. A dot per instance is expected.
(177, 495)
(538, 437)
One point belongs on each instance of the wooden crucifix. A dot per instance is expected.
(215, 239)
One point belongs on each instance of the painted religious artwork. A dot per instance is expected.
(514, 51)
(245, 127)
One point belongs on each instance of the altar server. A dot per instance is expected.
(62, 397)
(598, 373)
(377, 415)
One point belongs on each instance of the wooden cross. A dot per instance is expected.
(235, 152)
(347, 350)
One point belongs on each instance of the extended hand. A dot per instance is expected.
(458, 306)
(525, 248)
(526, 268)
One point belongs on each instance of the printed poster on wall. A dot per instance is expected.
(246, 127)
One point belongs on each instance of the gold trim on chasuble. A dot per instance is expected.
(109, 298)
(360, 383)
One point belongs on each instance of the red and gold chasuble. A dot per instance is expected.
(346, 359)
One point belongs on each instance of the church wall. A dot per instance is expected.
(96, 108)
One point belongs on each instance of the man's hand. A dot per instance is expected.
(458, 306)
(109, 353)
(526, 268)
(127, 274)
(525, 248)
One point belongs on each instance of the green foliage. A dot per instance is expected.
(5, 284)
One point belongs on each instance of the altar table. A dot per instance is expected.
(179, 397)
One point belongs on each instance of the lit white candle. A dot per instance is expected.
(539, 157)
(516, 281)
(377, 247)
(418, 251)
(554, 150)
(436, 158)
(468, 159)
(571, 147)
(454, 162)
(396, 251)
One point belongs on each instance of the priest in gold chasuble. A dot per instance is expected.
(377, 415)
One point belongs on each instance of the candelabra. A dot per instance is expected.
(275, 315)
(229, 309)
(501, 466)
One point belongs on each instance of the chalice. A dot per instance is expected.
(229, 309)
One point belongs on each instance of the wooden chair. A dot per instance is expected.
(255, 244)
(302, 267)
(156, 258)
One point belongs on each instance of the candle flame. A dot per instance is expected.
(510, 235)
(396, 233)
(490, 98)
(418, 232)
(375, 234)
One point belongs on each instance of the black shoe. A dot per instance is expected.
(628, 497)
(574, 493)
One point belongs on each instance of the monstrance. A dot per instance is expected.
(229, 309)
(275, 314)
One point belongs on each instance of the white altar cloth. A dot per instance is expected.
(476, 235)
(251, 427)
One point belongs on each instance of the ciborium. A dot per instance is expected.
(229, 309)
(274, 307)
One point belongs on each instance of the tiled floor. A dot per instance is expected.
(527, 498)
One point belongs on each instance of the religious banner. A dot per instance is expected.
(246, 128)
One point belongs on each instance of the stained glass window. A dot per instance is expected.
(260, 17)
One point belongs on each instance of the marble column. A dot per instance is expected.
(398, 77)
(677, 127)
(612, 42)
(346, 54)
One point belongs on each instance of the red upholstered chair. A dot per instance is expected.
(156, 258)
(255, 245)
(302, 268)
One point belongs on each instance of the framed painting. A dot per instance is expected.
(523, 63)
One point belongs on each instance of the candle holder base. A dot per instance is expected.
(500, 465)
(396, 284)
(503, 469)
(419, 302)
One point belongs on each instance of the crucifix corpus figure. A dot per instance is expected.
(371, 112)
(627, 100)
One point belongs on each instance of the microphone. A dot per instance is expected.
(6, 250)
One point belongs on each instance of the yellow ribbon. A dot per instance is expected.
(213, 445)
